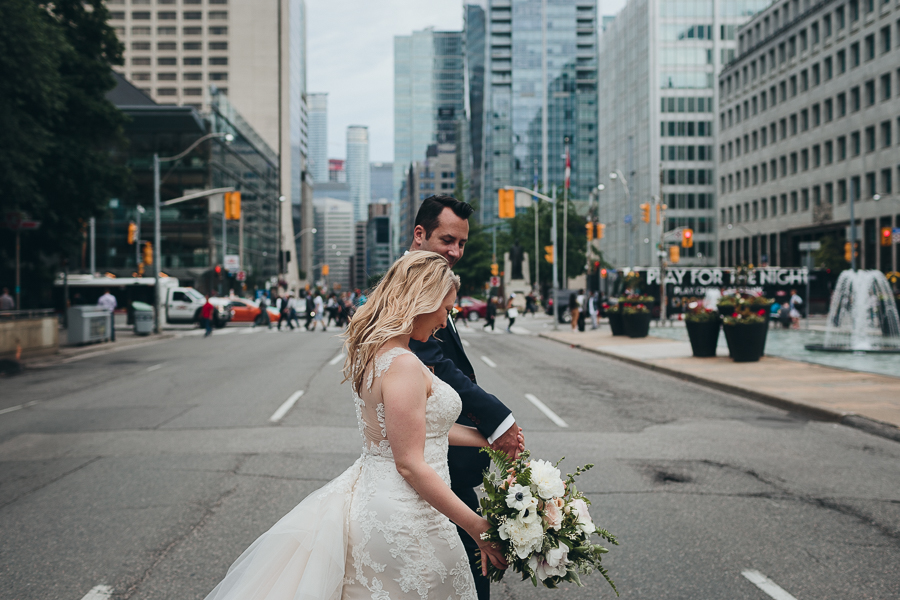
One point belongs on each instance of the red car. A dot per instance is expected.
(471, 308)
(248, 311)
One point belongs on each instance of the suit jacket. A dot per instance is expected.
(447, 359)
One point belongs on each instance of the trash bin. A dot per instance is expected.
(143, 318)
(87, 324)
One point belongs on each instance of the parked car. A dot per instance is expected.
(248, 311)
(223, 313)
(471, 308)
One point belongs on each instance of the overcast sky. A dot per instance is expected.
(350, 50)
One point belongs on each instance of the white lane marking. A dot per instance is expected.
(489, 362)
(284, 408)
(155, 368)
(543, 408)
(224, 331)
(19, 407)
(466, 343)
(336, 359)
(99, 592)
(767, 585)
(249, 330)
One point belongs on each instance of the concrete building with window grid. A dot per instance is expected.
(658, 62)
(318, 137)
(809, 117)
(358, 170)
(434, 176)
(514, 91)
(334, 242)
(182, 52)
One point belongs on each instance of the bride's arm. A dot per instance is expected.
(404, 391)
(460, 435)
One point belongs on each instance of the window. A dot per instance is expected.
(885, 134)
(870, 186)
(193, 15)
(166, 92)
(828, 68)
(829, 110)
(870, 92)
(887, 186)
(140, 60)
(814, 32)
(841, 58)
(117, 15)
(218, 45)
(218, 60)
(218, 15)
(803, 41)
(783, 161)
(870, 139)
(842, 147)
(853, 9)
(794, 202)
(804, 80)
(826, 25)
(829, 152)
(193, 91)
(140, 16)
(817, 156)
(783, 126)
(829, 193)
(816, 75)
(166, 16)
(804, 120)
(870, 47)
(855, 143)
(166, 61)
(166, 76)
(218, 76)
(140, 45)
(842, 191)
(166, 46)
(193, 60)
(140, 30)
(166, 30)
(193, 45)
(854, 99)
(885, 39)
(783, 87)
(854, 55)
(804, 160)
(885, 87)
(816, 115)
(804, 199)
(793, 124)
(193, 31)
(841, 104)
(794, 163)
(839, 17)
(193, 76)
(218, 30)
(763, 137)
(140, 76)
(793, 85)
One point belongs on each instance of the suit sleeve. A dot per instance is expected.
(479, 408)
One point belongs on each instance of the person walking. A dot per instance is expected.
(6, 301)
(796, 303)
(574, 309)
(206, 317)
(108, 301)
(319, 311)
(442, 226)
(284, 312)
(490, 313)
(263, 317)
(309, 309)
(594, 309)
(511, 312)
(530, 305)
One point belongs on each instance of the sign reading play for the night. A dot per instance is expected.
(726, 277)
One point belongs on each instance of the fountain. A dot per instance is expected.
(863, 316)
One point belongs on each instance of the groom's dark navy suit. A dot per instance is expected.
(447, 359)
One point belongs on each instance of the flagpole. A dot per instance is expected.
(565, 273)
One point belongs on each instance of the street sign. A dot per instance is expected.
(809, 246)
(495, 281)
(895, 235)
(627, 219)
(232, 262)
(18, 221)
(241, 276)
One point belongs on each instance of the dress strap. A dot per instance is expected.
(383, 363)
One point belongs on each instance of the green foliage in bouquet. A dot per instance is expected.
(541, 522)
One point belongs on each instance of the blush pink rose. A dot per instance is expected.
(553, 515)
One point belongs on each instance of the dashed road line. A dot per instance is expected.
(99, 592)
(336, 359)
(286, 406)
(544, 409)
(489, 362)
(771, 588)
(19, 407)
(155, 368)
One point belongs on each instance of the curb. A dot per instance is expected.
(854, 420)
(59, 359)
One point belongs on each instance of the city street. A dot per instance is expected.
(143, 473)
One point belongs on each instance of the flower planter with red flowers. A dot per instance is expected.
(636, 320)
(703, 331)
(614, 314)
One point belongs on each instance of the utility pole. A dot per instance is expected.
(565, 280)
(536, 204)
(545, 108)
(92, 224)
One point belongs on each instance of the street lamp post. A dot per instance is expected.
(592, 218)
(618, 176)
(157, 227)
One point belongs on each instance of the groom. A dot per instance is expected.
(442, 226)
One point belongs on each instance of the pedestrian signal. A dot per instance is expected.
(148, 253)
(506, 201)
(548, 254)
(589, 228)
(601, 229)
(325, 270)
(687, 238)
(674, 254)
(232, 206)
(886, 233)
(495, 269)
(645, 212)
(132, 233)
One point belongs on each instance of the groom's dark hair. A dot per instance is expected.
(430, 212)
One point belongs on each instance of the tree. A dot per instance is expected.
(830, 255)
(60, 155)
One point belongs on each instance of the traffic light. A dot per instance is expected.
(495, 269)
(674, 254)
(603, 273)
(589, 228)
(886, 236)
(506, 200)
(848, 256)
(687, 238)
(132, 233)
(659, 209)
(325, 270)
(601, 229)
(148, 253)
(218, 269)
(645, 212)
(548, 254)
(232, 206)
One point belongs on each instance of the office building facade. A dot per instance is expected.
(433, 176)
(378, 241)
(318, 137)
(514, 96)
(334, 242)
(475, 32)
(810, 119)
(358, 175)
(381, 176)
(662, 56)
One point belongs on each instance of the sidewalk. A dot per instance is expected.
(125, 339)
(863, 400)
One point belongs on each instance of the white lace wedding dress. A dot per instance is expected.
(366, 534)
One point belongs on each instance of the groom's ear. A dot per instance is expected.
(419, 236)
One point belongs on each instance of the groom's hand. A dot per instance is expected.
(511, 442)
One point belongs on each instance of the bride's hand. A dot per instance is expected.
(488, 549)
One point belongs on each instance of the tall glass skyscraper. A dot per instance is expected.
(358, 175)
(658, 62)
(318, 137)
(514, 96)
(475, 56)
(429, 97)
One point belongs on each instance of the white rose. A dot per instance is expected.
(545, 480)
(583, 516)
(552, 564)
(518, 497)
(525, 537)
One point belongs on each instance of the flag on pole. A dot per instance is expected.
(568, 167)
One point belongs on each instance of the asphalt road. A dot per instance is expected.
(142, 474)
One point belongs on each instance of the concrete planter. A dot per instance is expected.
(36, 336)
(615, 322)
(637, 325)
(704, 337)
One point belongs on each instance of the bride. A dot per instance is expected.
(382, 530)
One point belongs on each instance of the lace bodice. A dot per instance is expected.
(442, 408)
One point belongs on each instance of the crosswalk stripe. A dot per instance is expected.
(771, 588)
(286, 406)
(544, 409)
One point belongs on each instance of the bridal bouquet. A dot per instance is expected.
(541, 522)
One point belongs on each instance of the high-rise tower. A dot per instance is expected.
(358, 175)
(318, 137)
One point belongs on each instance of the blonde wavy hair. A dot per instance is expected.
(414, 285)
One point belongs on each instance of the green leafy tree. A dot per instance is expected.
(61, 148)
(830, 255)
